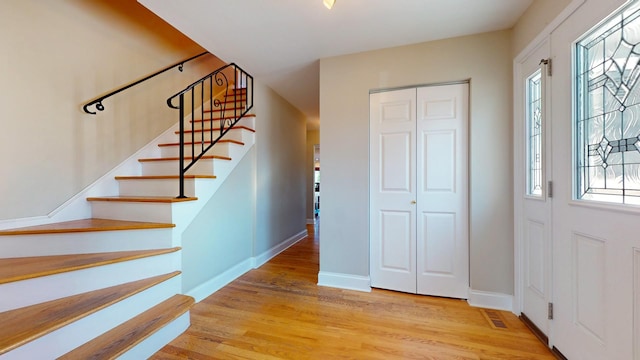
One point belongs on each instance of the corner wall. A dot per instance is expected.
(345, 83)
(280, 160)
(58, 55)
(259, 209)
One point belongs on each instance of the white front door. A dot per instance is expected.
(596, 228)
(442, 190)
(419, 190)
(533, 203)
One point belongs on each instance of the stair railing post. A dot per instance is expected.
(181, 161)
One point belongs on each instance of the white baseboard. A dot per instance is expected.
(344, 281)
(274, 251)
(490, 300)
(204, 290)
(311, 221)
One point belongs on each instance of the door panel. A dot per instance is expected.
(392, 190)
(395, 162)
(396, 241)
(440, 243)
(442, 198)
(439, 171)
(532, 203)
(593, 248)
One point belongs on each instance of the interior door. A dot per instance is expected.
(533, 163)
(393, 190)
(419, 190)
(442, 190)
(596, 227)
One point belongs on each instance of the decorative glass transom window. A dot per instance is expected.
(534, 134)
(607, 128)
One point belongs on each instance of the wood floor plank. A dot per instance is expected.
(84, 225)
(17, 269)
(278, 312)
(119, 340)
(23, 325)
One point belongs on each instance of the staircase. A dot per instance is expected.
(109, 286)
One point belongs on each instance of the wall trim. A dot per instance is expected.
(263, 258)
(311, 221)
(206, 289)
(344, 281)
(490, 300)
(209, 287)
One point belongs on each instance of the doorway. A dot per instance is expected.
(419, 190)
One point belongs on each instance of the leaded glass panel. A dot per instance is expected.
(607, 124)
(534, 134)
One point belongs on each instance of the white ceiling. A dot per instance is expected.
(280, 42)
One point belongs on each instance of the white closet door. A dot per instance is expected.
(442, 191)
(392, 190)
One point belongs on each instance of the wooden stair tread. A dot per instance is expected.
(205, 142)
(26, 324)
(208, 157)
(17, 269)
(84, 225)
(149, 199)
(164, 177)
(119, 340)
(215, 129)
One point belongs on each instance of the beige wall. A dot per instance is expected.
(313, 138)
(280, 161)
(345, 83)
(534, 20)
(261, 204)
(57, 55)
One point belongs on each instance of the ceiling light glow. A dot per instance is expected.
(328, 3)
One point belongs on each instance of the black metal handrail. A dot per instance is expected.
(98, 102)
(221, 99)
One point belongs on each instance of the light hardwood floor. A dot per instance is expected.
(278, 312)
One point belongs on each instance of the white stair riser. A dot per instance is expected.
(33, 291)
(158, 340)
(170, 167)
(135, 211)
(233, 134)
(158, 187)
(245, 121)
(84, 242)
(71, 336)
(220, 149)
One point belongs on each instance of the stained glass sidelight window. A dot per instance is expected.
(534, 134)
(607, 127)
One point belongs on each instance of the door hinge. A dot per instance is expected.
(550, 312)
(550, 189)
(547, 63)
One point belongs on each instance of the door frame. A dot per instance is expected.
(468, 161)
(520, 179)
(518, 152)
